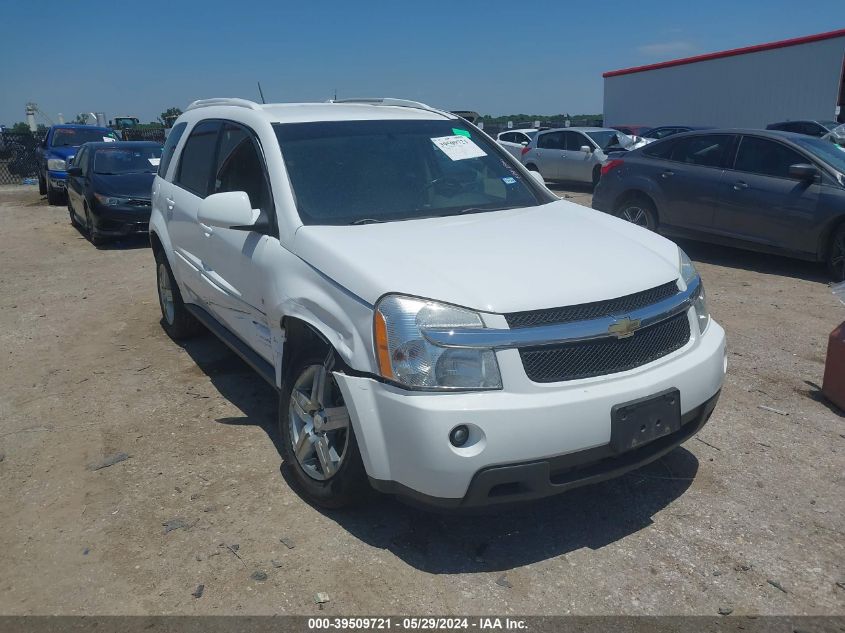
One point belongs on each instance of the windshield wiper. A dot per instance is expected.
(367, 221)
(480, 210)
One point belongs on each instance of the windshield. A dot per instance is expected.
(356, 172)
(72, 137)
(610, 138)
(123, 160)
(831, 153)
(829, 124)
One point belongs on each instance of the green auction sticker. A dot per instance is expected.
(461, 132)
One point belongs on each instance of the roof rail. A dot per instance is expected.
(388, 101)
(207, 103)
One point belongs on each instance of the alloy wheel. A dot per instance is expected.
(635, 215)
(165, 294)
(319, 423)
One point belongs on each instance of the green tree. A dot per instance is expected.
(170, 113)
(20, 128)
(81, 119)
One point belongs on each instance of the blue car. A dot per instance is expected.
(57, 149)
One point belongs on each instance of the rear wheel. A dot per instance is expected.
(175, 318)
(639, 211)
(318, 442)
(836, 254)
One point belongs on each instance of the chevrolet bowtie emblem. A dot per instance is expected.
(624, 327)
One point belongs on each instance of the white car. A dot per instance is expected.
(514, 140)
(437, 323)
(574, 154)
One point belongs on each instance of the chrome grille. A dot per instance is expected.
(572, 361)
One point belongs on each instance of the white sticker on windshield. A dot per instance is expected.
(109, 139)
(458, 147)
(154, 161)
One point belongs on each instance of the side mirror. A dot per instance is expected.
(586, 149)
(74, 171)
(803, 171)
(538, 177)
(524, 143)
(228, 210)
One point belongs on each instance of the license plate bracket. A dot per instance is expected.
(638, 422)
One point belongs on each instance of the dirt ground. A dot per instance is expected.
(747, 516)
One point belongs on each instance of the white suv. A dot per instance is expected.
(438, 324)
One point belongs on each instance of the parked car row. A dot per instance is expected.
(105, 182)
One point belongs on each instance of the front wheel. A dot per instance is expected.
(175, 318)
(836, 255)
(639, 211)
(95, 238)
(318, 443)
(54, 196)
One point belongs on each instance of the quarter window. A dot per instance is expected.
(768, 158)
(170, 147)
(707, 150)
(195, 163)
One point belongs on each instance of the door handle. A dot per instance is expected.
(170, 203)
(667, 174)
(206, 229)
(740, 185)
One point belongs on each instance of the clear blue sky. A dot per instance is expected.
(494, 57)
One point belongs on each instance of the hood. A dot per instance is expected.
(64, 151)
(125, 185)
(553, 255)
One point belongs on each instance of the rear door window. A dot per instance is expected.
(708, 150)
(195, 164)
(551, 140)
(765, 157)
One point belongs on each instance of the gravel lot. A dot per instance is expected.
(747, 516)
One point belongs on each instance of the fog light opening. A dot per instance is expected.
(459, 435)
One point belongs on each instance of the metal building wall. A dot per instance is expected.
(747, 90)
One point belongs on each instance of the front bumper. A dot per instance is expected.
(120, 221)
(541, 430)
(57, 179)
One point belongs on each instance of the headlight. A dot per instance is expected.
(56, 164)
(699, 301)
(407, 358)
(110, 201)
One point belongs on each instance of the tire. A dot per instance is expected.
(72, 216)
(42, 185)
(55, 197)
(596, 175)
(836, 254)
(320, 478)
(90, 232)
(175, 318)
(638, 210)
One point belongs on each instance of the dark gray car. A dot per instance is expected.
(763, 190)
